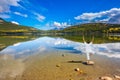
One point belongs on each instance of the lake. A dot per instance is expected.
(55, 58)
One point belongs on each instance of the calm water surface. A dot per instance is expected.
(42, 44)
(13, 55)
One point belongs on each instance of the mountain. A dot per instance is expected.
(57, 28)
(1, 20)
(92, 27)
(10, 27)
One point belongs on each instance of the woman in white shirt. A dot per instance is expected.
(88, 48)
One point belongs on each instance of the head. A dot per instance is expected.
(88, 42)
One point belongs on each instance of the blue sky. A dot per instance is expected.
(48, 14)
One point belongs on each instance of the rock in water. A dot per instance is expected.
(117, 77)
(90, 62)
(105, 78)
(58, 65)
(63, 55)
(77, 69)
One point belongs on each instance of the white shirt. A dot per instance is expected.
(88, 47)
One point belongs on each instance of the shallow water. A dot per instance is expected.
(16, 58)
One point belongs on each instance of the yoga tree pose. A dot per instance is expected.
(88, 48)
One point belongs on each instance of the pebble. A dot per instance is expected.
(81, 71)
(82, 79)
(105, 78)
(63, 55)
(77, 69)
(58, 65)
(90, 62)
(72, 61)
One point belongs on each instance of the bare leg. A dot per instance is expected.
(88, 56)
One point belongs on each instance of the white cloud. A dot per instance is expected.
(87, 16)
(20, 14)
(4, 16)
(5, 5)
(14, 22)
(52, 25)
(103, 15)
(39, 17)
(115, 19)
(64, 24)
(57, 24)
(60, 25)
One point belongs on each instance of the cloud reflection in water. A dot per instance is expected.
(10, 67)
(43, 44)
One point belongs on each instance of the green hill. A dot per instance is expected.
(92, 27)
(11, 28)
(8, 27)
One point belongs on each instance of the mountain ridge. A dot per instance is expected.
(80, 28)
(11, 27)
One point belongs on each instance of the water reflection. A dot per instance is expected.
(10, 40)
(47, 44)
(115, 38)
(10, 67)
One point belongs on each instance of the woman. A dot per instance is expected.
(88, 49)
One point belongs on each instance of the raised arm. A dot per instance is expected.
(92, 39)
(84, 39)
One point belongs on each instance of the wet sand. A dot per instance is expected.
(61, 65)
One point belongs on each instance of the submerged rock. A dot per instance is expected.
(105, 78)
(58, 65)
(63, 55)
